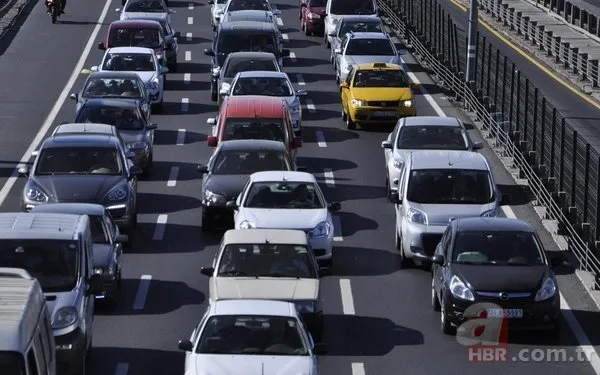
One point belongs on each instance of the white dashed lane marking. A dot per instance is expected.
(292, 56)
(285, 37)
(191, 6)
(328, 174)
(142, 293)
(159, 228)
(190, 20)
(347, 299)
(321, 138)
(122, 369)
(188, 55)
(188, 37)
(300, 79)
(185, 104)
(279, 22)
(187, 77)
(310, 106)
(358, 368)
(337, 229)
(180, 137)
(173, 177)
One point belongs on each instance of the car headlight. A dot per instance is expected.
(247, 225)
(358, 103)
(64, 317)
(321, 230)
(211, 198)
(35, 194)
(137, 145)
(225, 86)
(104, 271)
(548, 290)
(408, 103)
(490, 213)
(313, 16)
(117, 194)
(460, 290)
(416, 216)
(398, 164)
(153, 83)
(305, 307)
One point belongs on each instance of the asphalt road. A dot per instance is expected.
(378, 318)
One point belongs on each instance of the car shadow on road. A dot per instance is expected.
(283, 7)
(169, 137)
(192, 85)
(320, 115)
(333, 135)
(359, 261)
(346, 192)
(184, 4)
(353, 223)
(377, 128)
(193, 40)
(177, 238)
(352, 335)
(315, 77)
(301, 43)
(161, 171)
(153, 203)
(138, 361)
(175, 108)
(308, 62)
(315, 165)
(192, 68)
(518, 194)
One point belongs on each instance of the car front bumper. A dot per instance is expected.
(70, 350)
(123, 214)
(419, 240)
(110, 284)
(141, 157)
(322, 246)
(315, 25)
(374, 115)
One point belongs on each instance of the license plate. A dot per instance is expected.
(384, 113)
(506, 313)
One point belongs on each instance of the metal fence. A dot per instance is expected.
(561, 169)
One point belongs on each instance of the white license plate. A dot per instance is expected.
(506, 313)
(384, 113)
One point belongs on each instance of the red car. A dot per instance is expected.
(312, 16)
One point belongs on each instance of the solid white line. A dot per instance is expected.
(321, 139)
(347, 300)
(188, 37)
(142, 292)
(159, 229)
(300, 79)
(122, 369)
(49, 121)
(292, 56)
(191, 6)
(584, 342)
(185, 104)
(328, 173)
(285, 37)
(438, 110)
(190, 20)
(188, 55)
(279, 22)
(187, 77)
(310, 106)
(180, 137)
(173, 177)
(358, 368)
(337, 229)
(508, 212)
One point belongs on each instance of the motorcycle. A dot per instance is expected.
(53, 7)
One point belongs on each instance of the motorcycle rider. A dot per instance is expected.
(63, 5)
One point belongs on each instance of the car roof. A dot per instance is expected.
(369, 35)
(81, 140)
(253, 307)
(247, 26)
(89, 209)
(161, 17)
(361, 18)
(85, 128)
(140, 50)
(379, 66)
(261, 236)
(248, 13)
(448, 159)
(432, 121)
(110, 102)
(249, 106)
(50, 226)
(289, 176)
(252, 145)
(116, 75)
(251, 55)
(135, 24)
(492, 224)
(263, 74)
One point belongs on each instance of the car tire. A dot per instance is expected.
(435, 302)
(307, 32)
(350, 125)
(148, 169)
(344, 115)
(404, 261)
(445, 326)
(327, 45)
(388, 188)
(207, 224)
(327, 262)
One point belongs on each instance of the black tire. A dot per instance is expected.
(445, 326)
(404, 261)
(344, 116)
(435, 302)
(54, 12)
(207, 223)
(350, 125)
(148, 169)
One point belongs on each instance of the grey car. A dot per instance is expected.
(347, 24)
(363, 48)
(245, 61)
(140, 7)
(133, 127)
(252, 15)
(114, 85)
(83, 168)
(107, 243)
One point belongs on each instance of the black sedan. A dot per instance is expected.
(228, 170)
(496, 267)
(83, 168)
(132, 125)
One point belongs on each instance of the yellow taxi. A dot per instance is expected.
(376, 93)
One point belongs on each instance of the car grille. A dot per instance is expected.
(430, 242)
(382, 103)
(117, 211)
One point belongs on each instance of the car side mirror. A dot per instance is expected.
(387, 144)
(231, 205)
(212, 141)
(211, 121)
(337, 51)
(276, 12)
(185, 345)
(134, 170)
(556, 262)
(95, 285)
(438, 259)
(152, 126)
(320, 348)
(297, 142)
(301, 169)
(505, 200)
(24, 170)
(94, 68)
(285, 53)
(477, 145)
(101, 46)
(209, 52)
(35, 153)
(324, 271)
(415, 86)
(122, 238)
(202, 169)
(334, 206)
(301, 92)
(395, 197)
(73, 96)
(207, 271)
(211, 2)
(224, 92)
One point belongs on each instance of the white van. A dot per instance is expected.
(56, 249)
(26, 340)
(337, 9)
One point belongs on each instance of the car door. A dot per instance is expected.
(401, 191)
(241, 199)
(339, 56)
(194, 337)
(436, 269)
(113, 232)
(345, 91)
(388, 153)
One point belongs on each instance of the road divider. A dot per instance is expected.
(292, 56)
(279, 22)
(358, 368)
(191, 6)
(321, 138)
(188, 37)
(185, 104)
(180, 137)
(141, 295)
(347, 299)
(159, 228)
(173, 177)
(285, 37)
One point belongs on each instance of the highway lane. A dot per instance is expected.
(385, 327)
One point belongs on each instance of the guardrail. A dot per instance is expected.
(561, 169)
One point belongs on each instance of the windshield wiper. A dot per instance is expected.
(279, 274)
(233, 273)
(474, 263)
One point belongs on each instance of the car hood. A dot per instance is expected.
(510, 279)
(303, 219)
(132, 136)
(355, 60)
(440, 214)
(250, 364)
(382, 93)
(228, 185)
(277, 288)
(145, 76)
(69, 188)
(103, 254)
(145, 15)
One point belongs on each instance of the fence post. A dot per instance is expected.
(511, 94)
(562, 155)
(503, 85)
(489, 72)
(535, 117)
(482, 73)
(553, 141)
(586, 182)
(574, 169)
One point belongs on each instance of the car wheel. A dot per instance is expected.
(445, 324)
(350, 125)
(404, 261)
(207, 224)
(306, 30)
(344, 115)
(388, 188)
(435, 302)
(327, 262)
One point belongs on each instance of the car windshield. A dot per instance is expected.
(252, 335)
(99, 235)
(284, 195)
(450, 186)
(146, 6)
(268, 129)
(112, 88)
(55, 263)
(237, 162)
(121, 118)
(79, 161)
(148, 37)
(246, 65)
(352, 7)
(510, 248)
(222, 1)
(360, 27)
(369, 47)
(12, 363)
(248, 5)
(237, 41)
(129, 62)
(432, 138)
(266, 260)
(380, 78)
(272, 86)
